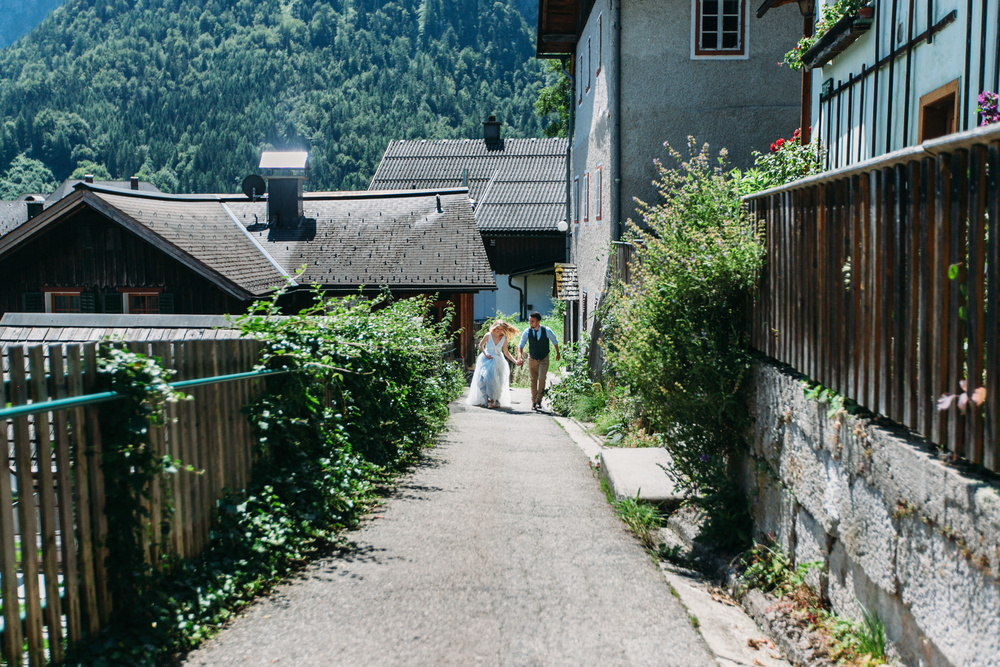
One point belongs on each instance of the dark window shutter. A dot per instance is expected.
(33, 302)
(112, 302)
(167, 303)
(88, 302)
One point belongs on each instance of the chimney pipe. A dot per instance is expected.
(491, 132)
(34, 207)
(88, 178)
(134, 182)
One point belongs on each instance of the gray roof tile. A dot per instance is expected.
(528, 193)
(205, 231)
(399, 239)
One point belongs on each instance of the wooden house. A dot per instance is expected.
(124, 251)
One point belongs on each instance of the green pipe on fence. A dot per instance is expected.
(91, 399)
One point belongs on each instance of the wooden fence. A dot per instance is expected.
(53, 574)
(882, 284)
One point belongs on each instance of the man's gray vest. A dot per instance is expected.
(538, 349)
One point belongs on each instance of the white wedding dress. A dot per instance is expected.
(491, 379)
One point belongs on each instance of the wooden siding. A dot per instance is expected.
(513, 254)
(89, 252)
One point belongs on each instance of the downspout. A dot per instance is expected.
(569, 162)
(521, 296)
(616, 134)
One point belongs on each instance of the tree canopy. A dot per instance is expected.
(188, 93)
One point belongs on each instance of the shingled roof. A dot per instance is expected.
(519, 187)
(12, 215)
(423, 240)
(415, 240)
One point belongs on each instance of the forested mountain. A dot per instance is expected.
(19, 16)
(187, 93)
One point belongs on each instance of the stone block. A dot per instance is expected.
(869, 535)
(954, 602)
(811, 546)
(773, 510)
(640, 473)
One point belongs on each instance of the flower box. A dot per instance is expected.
(841, 34)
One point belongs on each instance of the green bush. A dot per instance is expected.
(370, 388)
(677, 335)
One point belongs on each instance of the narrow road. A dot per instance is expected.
(499, 550)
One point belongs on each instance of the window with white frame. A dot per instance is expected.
(589, 61)
(719, 28)
(600, 42)
(597, 209)
(63, 301)
(576, 187)
(586, 195)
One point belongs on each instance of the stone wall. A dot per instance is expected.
(901, 531)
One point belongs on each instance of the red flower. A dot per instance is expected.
(774, 149)
(779, 143)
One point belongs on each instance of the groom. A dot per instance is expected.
(537, 338)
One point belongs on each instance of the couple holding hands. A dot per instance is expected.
(491, 379)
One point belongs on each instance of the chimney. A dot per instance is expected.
(285, 173)
(88, 178)
(35, 206)
(491, 132)
(134, 182)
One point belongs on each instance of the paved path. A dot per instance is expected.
(500, 550)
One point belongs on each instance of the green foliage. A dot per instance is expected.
(871, 638)
(677, 335)
(554, 98)
(642, 518)
(191, 92)
(129, 466)
(829, 15)
(769, 569)
(98, 171)
(575, 382)
(370, 389)
(787, 161)
(24, 176)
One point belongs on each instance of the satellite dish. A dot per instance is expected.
(254, 186)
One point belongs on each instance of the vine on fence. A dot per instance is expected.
(130, 465)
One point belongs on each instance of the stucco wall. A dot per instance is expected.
(592, 148)
(740, 104)
(900, 531)
(666, 95)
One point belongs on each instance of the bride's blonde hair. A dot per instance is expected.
(507, 329)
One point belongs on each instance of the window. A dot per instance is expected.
(65, 303)
(579, 80)
(719, 28)
(63, 300)
(589, 61)
(600, 42)
(597, 209)
(141, 302)
(586, 195)
(938, 111)
(576, 188)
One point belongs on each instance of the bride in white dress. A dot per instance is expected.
(491, 379)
